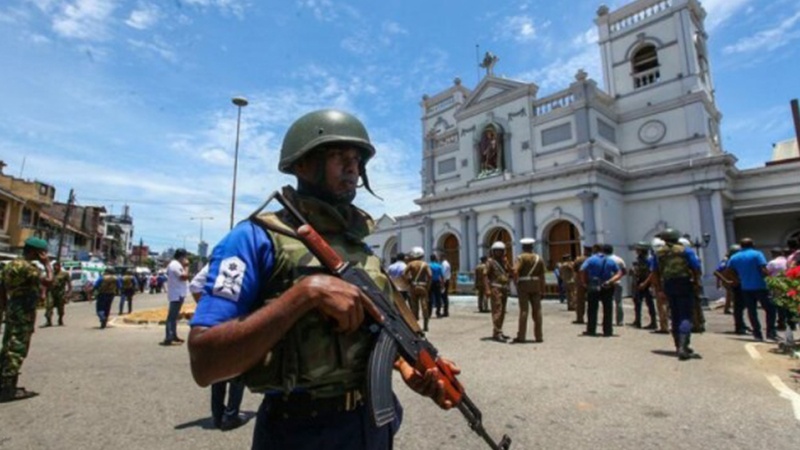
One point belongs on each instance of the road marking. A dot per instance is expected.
(752, 350)
(786, 393)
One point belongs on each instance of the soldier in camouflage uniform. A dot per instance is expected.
(674, 272)
(566, 271)
(580, 290)
(107, 286)
(23, 285)
(129, 286)
(480, 289)
(57, 295)
(271, 313)
(641, 290)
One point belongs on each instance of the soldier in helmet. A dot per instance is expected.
(418, 276)
(496, 279)
(269, 314)
(129, 287)
(480, 289)
(107, 286)
(529, 278)
(23, 286)
(661, 302)
(57, 295)
(674, 271)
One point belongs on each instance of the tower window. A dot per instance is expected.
(645, 67)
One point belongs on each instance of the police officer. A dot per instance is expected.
(641, 289)
(600, 273)
(418, 276)
(674, 271)
(107, 286)
(566, 271)
(57, 295)
(270, 314)
(498, 275)
(529, 278)
(129, 287)
(580, 289)
(22, 288)
(480, 289)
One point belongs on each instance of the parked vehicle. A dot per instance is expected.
(83, 274)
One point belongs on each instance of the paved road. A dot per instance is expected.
(116, 388)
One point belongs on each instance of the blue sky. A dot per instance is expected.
(130, 101)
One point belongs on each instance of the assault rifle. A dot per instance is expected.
(396, 335)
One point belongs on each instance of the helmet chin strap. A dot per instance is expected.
(362, 169)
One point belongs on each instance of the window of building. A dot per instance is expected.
(27, 217)
(645, 66)
(3, 209)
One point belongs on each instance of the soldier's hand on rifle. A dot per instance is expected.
(341, 301)
(428, 384)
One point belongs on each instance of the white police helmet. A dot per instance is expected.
(657, 243)
(684, 242)
(416, 252)
(498, 245)
(527, 241)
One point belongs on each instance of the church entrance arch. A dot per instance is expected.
(562, 238)
(449, 249)
(389, 251)
(502, 235)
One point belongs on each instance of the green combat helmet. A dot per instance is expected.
(670, 235)
(641, 245)
(733, 249)
(323, 127)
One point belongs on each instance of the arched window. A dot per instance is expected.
(645, 66)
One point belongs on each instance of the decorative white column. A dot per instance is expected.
(703, 196)
(590, 228)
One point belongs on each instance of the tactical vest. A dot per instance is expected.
(108, 285)
(641, 270)
(480, 271)
(497, 273)
(313, 357)
(672, 262)
(127, 282)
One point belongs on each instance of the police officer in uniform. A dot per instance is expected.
(566, 271)
(480, 288)
(57, 295)
(23, 285)
(529, 278)
(271, 314)
(641, 289)
(418, 276)
(107, 286)
(674, 273)
(498, 275)
(580, 290)
(129, 287)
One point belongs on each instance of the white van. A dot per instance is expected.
(83, 274)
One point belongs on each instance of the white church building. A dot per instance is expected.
(590, 165)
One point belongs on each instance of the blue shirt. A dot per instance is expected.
(748, 264)
(600, 266)
(239, 265)
(437, 272)
(689, 254)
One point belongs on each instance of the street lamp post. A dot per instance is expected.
(239, 102)
(201, 219)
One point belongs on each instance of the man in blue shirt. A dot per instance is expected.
(270, 314)
(599, 274)
(750, 266)
(676, 270)
(437, 283)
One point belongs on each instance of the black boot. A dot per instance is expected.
(9, 391)
(61, 321)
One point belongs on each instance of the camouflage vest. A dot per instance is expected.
(60, 282)
(312, 356)
(127, 282)
(108, 285)
(567, 272)
(641, 270)
(22, 281)
(672, 262)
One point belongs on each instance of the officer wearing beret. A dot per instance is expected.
(271, 315)
(23, 286)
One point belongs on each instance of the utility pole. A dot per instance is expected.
(70, 201)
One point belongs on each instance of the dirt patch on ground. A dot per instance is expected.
(158, 315)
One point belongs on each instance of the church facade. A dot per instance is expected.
(587, 164)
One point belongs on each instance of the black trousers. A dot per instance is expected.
(604, 296)
(644, 295)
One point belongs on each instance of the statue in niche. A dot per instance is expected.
(490, 148)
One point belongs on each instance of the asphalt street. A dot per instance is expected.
(117, 388)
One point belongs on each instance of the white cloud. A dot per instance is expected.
(157, 47)
(217, 157)
(82, 19)
(561, 73)
(235, 7)
(323, 10)
(145, 16)
(393, 28)
(769, 39)
(720, 11)
(517, 28)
